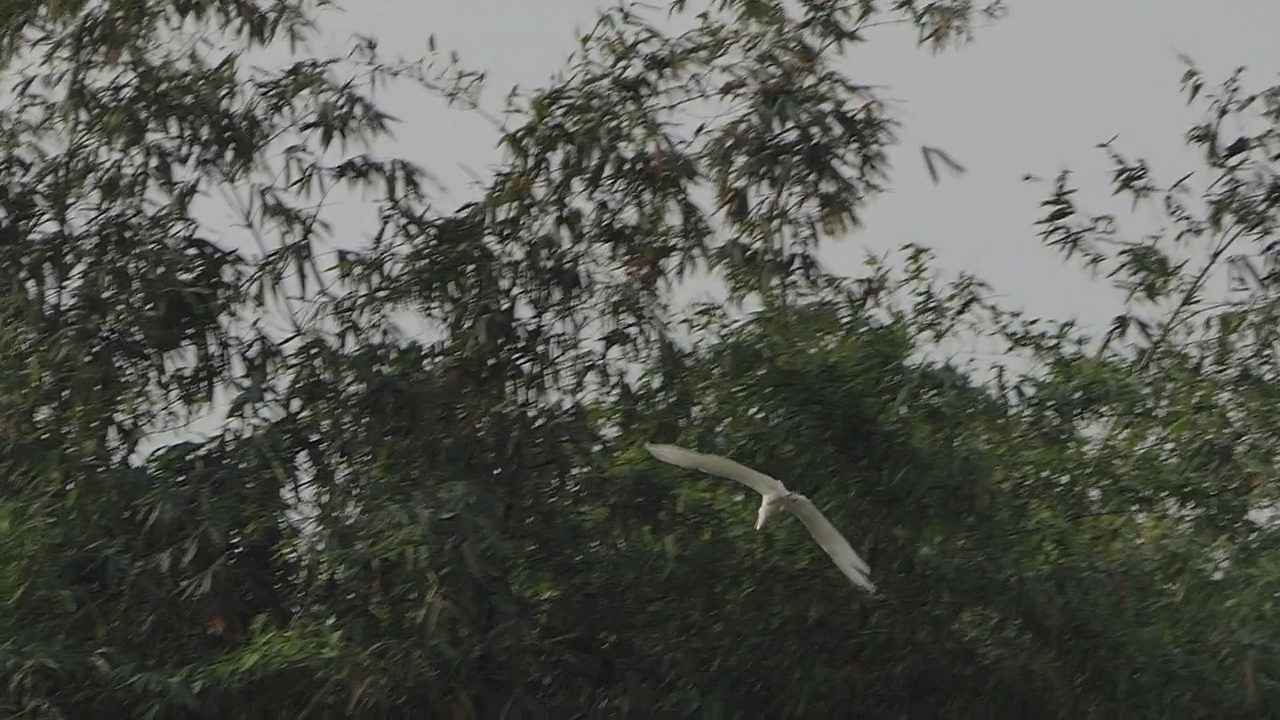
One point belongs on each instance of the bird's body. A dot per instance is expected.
(774, 496)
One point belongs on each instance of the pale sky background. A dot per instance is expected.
(1034, 93)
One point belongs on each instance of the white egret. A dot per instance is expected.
(775, 496)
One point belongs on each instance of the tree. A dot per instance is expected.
(1090, 538)
(1181, 396)
(388, 524)
(384, 524)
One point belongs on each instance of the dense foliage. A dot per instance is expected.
(428, 496)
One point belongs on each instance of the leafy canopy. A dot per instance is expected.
(450, 514)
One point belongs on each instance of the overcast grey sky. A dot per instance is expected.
(1034, 93)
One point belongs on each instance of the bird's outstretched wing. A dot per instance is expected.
(832, 541)
(716, 465)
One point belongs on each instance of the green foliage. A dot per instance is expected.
(1184, 409)
(463, 525)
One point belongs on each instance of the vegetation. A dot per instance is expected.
(428, 494)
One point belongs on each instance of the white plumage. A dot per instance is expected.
(775, 495)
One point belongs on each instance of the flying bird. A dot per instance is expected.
(775, 496)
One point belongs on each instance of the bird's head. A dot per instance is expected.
(768, 508)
